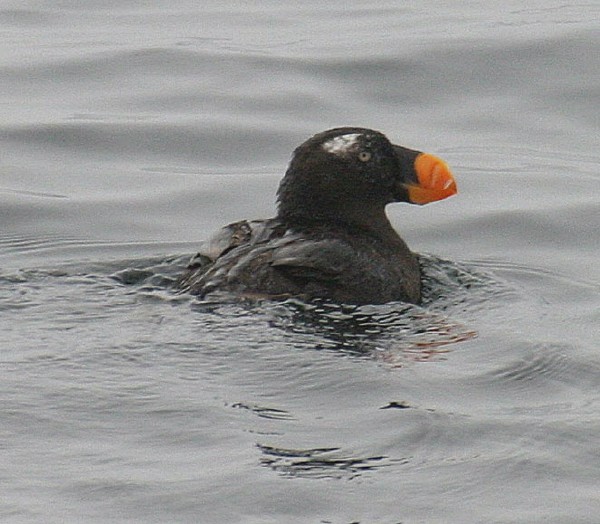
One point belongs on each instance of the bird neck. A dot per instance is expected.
(360, 218)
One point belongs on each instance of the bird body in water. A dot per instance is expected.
(331, 238)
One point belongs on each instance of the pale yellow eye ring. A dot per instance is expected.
(364, 156)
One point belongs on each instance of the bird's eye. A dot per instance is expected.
(364, 156)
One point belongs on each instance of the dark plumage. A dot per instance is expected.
(331, 238)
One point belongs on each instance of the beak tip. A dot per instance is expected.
(435, 180)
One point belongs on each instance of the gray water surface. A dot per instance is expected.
(131, 130)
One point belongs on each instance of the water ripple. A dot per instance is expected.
(544, 365)
(318, 463)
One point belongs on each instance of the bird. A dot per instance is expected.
(330, 239)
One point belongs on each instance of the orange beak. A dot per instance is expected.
(435, 181)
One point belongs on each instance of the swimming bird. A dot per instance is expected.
(330, 238)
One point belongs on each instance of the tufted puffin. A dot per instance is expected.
(331, 238)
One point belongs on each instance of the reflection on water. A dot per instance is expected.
(389, 332)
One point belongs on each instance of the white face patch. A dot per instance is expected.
(342, 144)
